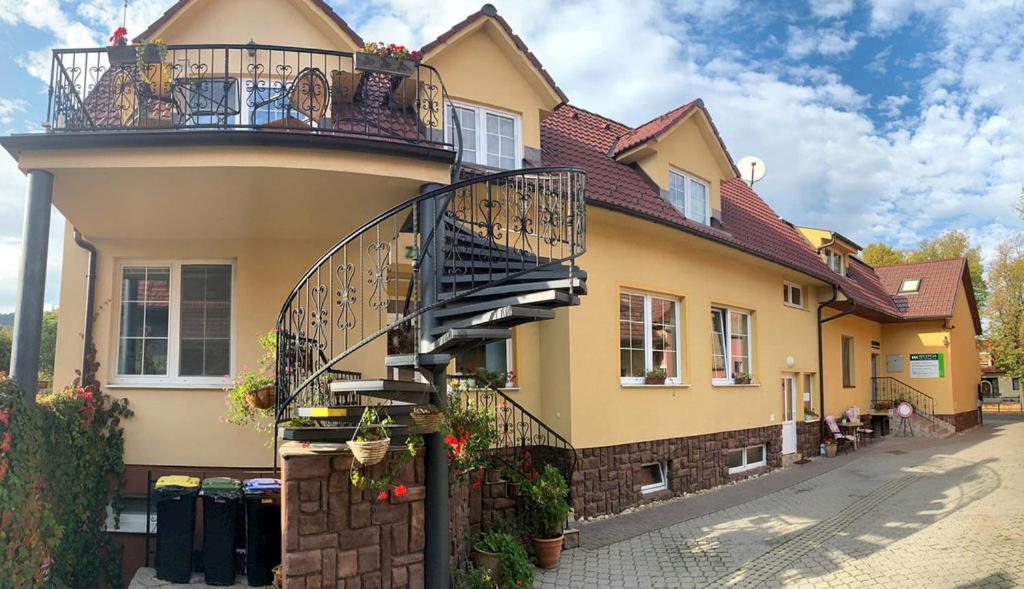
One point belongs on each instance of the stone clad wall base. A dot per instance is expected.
(338, 536)
(808, 438)
(961, 421)
(608, 479)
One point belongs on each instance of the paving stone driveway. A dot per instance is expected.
(904, 513)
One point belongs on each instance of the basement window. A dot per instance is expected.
(653, 477)
(744, 459)
(910, 286)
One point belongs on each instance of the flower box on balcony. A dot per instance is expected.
(121, 54)
(373, 62)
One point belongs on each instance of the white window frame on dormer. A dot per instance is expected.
(674, 196)
(787, 295)
(836, 261)
(480, 135)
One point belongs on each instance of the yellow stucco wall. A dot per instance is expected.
(481, 67)
(839, 398)
(964, 350)
(628, 253)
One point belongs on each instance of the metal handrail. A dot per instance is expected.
(543, 221)
(887, 388)
(264, 87)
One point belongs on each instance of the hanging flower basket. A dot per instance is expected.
(262, 398)
(371, 452)
(427, 419)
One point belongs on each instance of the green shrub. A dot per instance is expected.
(514, 567)
(546, 502)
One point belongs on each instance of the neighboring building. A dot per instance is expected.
(206, 208)
(995, 383)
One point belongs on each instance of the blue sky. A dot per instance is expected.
(883, 119)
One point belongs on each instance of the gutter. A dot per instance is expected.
(821, 359)
(90, 299)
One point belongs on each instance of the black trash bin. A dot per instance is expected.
(221, 499)
(175, 526)
(263, 530)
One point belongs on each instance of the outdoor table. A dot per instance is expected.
(850, 428)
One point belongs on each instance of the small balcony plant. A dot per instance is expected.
(656, 376)
(547, 510)
(387, 58)
(743, 378)
(119, 52)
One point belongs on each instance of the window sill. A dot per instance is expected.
(798, 307)
(641, 385)
(746, 469)
(735, 385)
(167, 385)
(811, 419)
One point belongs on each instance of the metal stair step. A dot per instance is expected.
(556, 273)
(454, 338)
(578, 286)
(543, 298)
(345, 412)
(487, 251)
(487, 265)
(411, 360)
(508, 316)
(392, 390)
(338, 434)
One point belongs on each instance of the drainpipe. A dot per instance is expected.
(821, 359)
(28, 319)
(90, 299)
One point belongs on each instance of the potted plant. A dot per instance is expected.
(251, 394)
(830, 447)
(387, 58)
(548, 510)
(503, 558)
(811, 415)
(656, 376)
(469, 429)
(427, 419)
(370, 441)
(153, 71)
(742, 378)
(118, 52)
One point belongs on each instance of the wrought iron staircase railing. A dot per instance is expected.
(248, 86)
(515, 223)
(522, 439)
(895, 391)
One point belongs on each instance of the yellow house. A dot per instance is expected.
(263, 173)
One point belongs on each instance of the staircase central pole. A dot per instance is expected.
(436, 566)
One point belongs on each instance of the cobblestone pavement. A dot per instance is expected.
(905, 513)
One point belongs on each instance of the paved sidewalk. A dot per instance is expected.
(904, 513)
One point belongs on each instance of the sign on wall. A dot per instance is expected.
(927, 366)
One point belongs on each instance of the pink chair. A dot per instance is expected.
(842, 439)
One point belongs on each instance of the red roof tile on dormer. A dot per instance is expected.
(652, 129)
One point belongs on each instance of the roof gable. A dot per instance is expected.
(307, 23)
(941, 280)
(488, 18)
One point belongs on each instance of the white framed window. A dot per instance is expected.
(175, 323)
(910, 286)
(653, 477)
(648, 337)
(489, 137)
(747, 458)
(493, 356)
(836, 261)
(730, 345)
(848, 351)
(793, 295)
(690, 196)
(808, 394)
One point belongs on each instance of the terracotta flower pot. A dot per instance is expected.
(548, 551)
(485, 560)
(262, 398)
(830, 450)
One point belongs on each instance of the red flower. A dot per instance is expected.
(477, 484)
(400, 491)
(383, 496)
(120, 36)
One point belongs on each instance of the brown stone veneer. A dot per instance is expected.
(607, 478)
(808, 438)
(961, 421)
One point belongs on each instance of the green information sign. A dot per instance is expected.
(927, 366)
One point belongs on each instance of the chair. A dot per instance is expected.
(307, 95)
(842, 439)
(864, 432)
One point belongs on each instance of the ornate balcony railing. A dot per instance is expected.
(247, 86)
(369, 282)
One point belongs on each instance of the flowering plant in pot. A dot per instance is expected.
(656, 376)
(118, 52)
(499, 553)
(251, 394)
(743, 378)
(469, 429)
(830, 447)
(547, 510)
(388, 58)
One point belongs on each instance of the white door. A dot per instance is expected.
(788, 414)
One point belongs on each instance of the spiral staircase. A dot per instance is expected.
(453, 268)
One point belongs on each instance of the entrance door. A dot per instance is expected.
(788, 414)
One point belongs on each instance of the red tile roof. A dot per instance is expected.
(489, 11)
(180, 4)
(940, 281)
(651, 129)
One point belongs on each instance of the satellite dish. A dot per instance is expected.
(752, 169)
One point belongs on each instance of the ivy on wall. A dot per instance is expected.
(61, 464)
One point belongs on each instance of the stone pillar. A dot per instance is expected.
(28, 317)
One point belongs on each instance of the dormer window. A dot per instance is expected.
(910, 286)
(690, 196)
(489, 137)
(835, 260)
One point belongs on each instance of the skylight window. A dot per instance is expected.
(910, 285)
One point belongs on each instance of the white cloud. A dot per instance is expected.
(831, 8)
(829, 42)
(892, 106)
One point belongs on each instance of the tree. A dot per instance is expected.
(954, 244)
(880, 254)
(48, 344)
(1005, 309)
(5, 349)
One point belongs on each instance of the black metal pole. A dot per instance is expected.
(90, 298)
(435, 554)
(28, 319)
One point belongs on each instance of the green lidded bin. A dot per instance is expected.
(222, 498)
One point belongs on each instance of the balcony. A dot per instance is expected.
(249, 89)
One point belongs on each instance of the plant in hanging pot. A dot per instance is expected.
(656, 376)
(547, 509)
(427, 419)
(369, 443)
(468, 428)
(119, 52)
